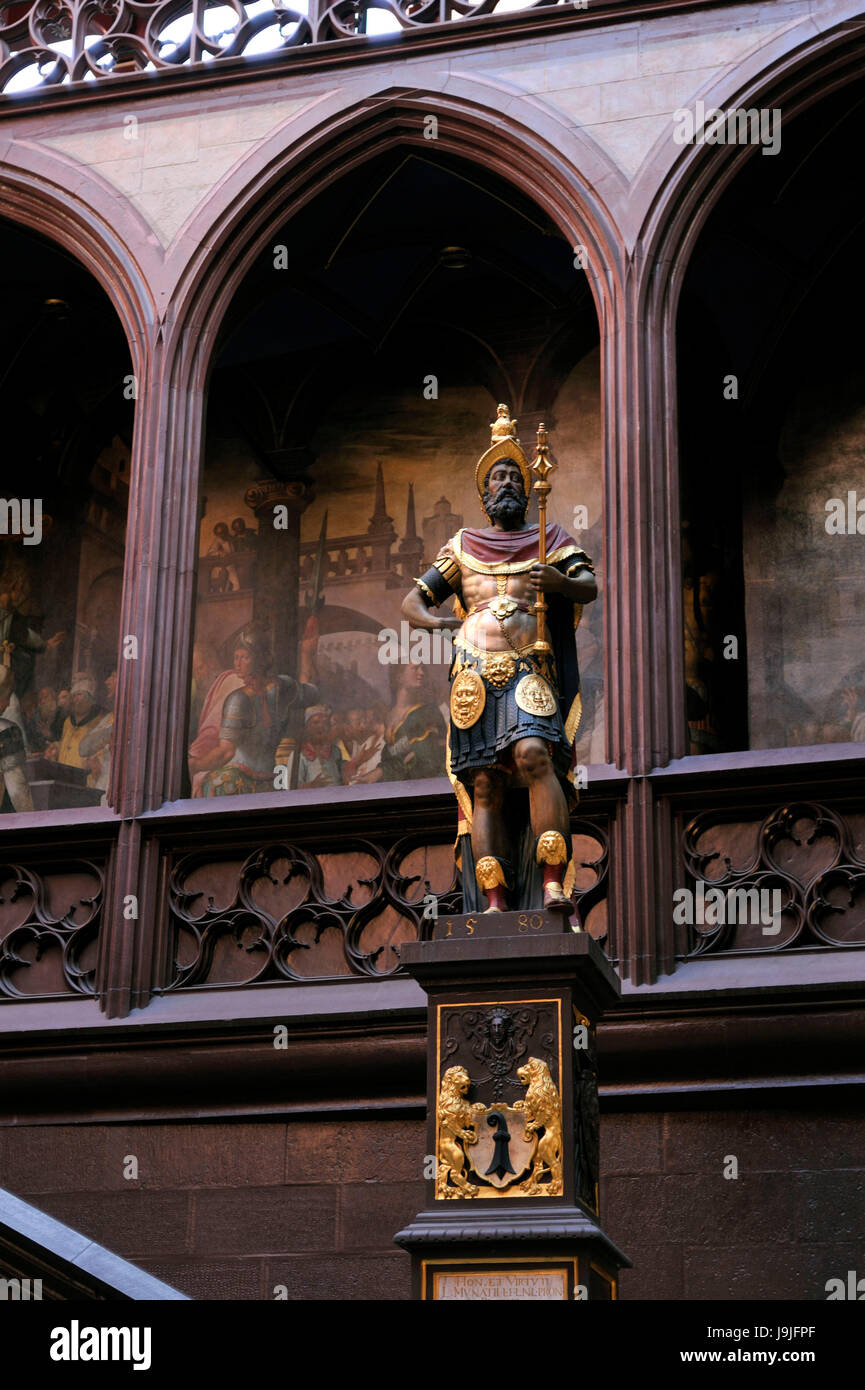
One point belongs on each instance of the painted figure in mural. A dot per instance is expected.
(95, 746)
(14, 787)
(223, 578)
(85, 712)
(244, 729)
(46, 723)
(17, 637)
(206, 667)
(242, 538)
(415, 735)
(362, 744)
(514, 701)
(852, 702)
(321, 760)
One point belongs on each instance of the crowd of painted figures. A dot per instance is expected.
(68, 723)
(249, 723)
(246, 721)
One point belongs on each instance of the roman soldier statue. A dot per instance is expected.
(514, 700)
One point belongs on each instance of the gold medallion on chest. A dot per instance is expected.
(535, 696)
(502, 608)
(468, 698)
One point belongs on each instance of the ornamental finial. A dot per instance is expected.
(503, 427)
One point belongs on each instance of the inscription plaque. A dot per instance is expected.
(513, 1284)
(500, 1279)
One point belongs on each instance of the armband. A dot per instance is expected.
(434, 586)
(449, 570)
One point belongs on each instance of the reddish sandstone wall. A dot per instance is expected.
(232, 1210)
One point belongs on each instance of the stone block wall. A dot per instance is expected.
(305, 1209)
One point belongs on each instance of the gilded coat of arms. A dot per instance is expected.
(496, 1150)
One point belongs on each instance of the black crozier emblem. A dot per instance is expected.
(501, 1164)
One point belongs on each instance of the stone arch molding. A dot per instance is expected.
(176, 186)
(564, 177)
(527, 125)
(779, 69)
(671, 201)
(175, 189)
(35, 194)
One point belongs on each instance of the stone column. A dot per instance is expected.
(278, 505)
(153, 670)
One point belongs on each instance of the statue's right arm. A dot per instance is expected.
(419, 614)
(440, 581)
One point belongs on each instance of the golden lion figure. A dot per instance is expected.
(456, 1127)
(543, 1111)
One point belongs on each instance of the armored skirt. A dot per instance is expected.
(498, 698)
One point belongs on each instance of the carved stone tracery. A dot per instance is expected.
(277, 905)
(813, 855)
(49, 922)
(285, 913)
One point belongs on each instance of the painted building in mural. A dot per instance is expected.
(266, 277)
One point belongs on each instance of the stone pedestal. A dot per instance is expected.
(512, 1146)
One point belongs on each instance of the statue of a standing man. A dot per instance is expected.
(514, 702)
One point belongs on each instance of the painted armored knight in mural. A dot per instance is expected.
(254, 710)
(514, 703)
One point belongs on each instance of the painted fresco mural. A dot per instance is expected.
(803, 559)
(60, 594)
(394, 479)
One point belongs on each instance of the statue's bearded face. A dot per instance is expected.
(505, 501)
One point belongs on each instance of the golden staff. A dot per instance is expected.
(542, 468)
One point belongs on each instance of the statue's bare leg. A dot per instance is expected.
(489, 836)
(547, 805)
(549, 814)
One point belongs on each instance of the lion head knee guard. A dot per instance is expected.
(552, 851)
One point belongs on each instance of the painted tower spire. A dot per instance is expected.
(380, 522)
(411, 546)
